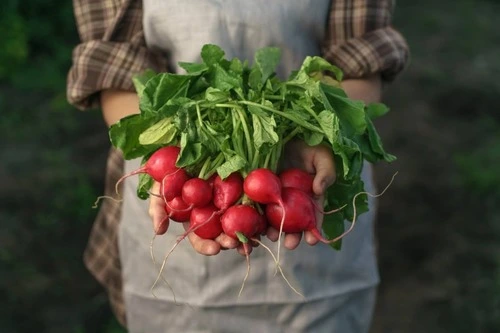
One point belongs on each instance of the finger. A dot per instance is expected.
(324, 166)
(310, 238)
(162, 227)
(227, 242)
(292, 240)
(254, 243)
(272, 234)
(241, 249)
(154, 201)
(206, 247)
(157, 212)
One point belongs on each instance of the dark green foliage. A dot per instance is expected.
(439, 227)
(52, 159)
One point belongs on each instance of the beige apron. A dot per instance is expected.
(329, 280)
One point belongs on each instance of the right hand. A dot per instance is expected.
(319, 161)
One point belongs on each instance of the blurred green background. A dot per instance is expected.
(439, 227)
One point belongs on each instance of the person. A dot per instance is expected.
(121, 38)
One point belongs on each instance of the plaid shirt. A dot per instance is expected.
(359, 39)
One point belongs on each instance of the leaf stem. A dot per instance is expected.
(198, 112)
(284, 115)
(205, 166)
(236, 138)
(273, 97)
(311, 111)
(291, 135)
(266, 160)
(248, 138)
(215, 164)
(255, 161)
(227, 105)
(275, 156)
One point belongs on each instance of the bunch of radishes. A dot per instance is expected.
(242, 208)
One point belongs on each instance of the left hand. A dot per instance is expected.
(161, 222)
(318, 161)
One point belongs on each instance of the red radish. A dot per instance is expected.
(241, 218)
(241, 222)
(178, 210)
(297, 178)
(300, 214)
(211, 180)
(263, 186)
(205, 222)
(197, 192)
(172, 184)
(300, 179)
(161, 163)
(227, 191)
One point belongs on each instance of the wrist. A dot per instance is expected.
(368, 89)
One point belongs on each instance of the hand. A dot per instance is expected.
(317, 160)
(203, 246)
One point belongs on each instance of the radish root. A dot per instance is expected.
(282, 205)
(278, 266)
(247, 256)
(317, 234)
(151, 251)
(177, 242)
(102, 197)
(155, 195)
(329, 211)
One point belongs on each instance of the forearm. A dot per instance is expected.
(116, 104)
(367, 89)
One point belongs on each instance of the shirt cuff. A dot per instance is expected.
(382, 51)
(99, 65)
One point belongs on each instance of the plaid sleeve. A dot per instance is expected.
(361, 41)
(111, 51)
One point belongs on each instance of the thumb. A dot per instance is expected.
(325, 173)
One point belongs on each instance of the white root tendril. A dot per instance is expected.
(354, 209)
(164, 262)
(278, 266)
(160, 271)
(247, 256)
(102, 197)
(282, 206)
